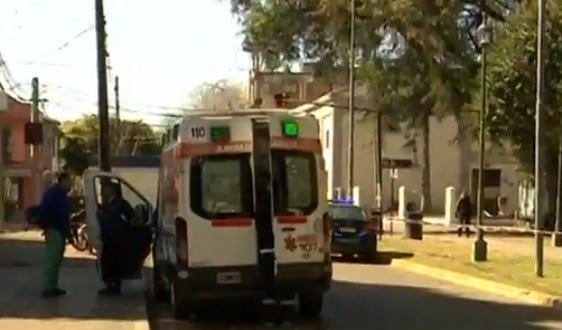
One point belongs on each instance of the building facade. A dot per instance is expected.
(299, 87)
(451, 164)
(24, 177)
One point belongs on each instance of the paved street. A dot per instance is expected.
(22, 308)
(362, 297)
(380, 297)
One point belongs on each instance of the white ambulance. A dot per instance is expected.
(241, 212)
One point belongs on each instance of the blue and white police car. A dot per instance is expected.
(354, 233)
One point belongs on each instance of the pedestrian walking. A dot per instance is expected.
(115, 217)
(54, 212)
(464, 214)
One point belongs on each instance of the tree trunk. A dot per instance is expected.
(463, 143)
(426, 171)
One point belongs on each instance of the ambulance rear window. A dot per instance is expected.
(295, 182)
(221, 186)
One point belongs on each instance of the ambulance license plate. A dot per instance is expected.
(228, 278)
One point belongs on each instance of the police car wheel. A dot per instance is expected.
(310, 304)
(347, 256)
(371, 256)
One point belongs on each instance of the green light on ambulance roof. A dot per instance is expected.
(290, 128)
(220, 133)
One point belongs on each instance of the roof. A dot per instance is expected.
(130, 161)
(327, 99)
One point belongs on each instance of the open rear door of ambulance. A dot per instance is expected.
(139, 234)
(220, 235)
(299, 195)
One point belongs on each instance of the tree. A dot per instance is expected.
(81, 140)
(511, 85)
(75, 155)
(220, 95)
(419, 48)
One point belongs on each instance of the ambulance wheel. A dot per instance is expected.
(181, 307)
(159, 289)
(310, 304)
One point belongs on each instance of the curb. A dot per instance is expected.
(530, 296)
(141, 325)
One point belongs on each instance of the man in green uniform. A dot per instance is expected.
(54, 212)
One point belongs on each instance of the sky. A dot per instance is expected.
(160, 50)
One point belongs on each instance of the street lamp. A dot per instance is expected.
(351, 100)
(3, 161)
(480, 247)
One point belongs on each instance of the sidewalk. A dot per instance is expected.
(515, 243)
(11, 227)
(22, 308)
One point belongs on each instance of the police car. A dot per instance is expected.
(354, 233)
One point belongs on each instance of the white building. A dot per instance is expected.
(450, 164)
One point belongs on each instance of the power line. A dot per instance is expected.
(53, 64)
(15, 86)
(66, 44)
(9, 79)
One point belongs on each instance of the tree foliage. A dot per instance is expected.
(511, 83)
(416, 56)
(80, 140)
(220, 95)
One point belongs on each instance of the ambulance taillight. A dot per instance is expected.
(181, 243)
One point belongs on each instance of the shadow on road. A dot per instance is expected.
(386, 257)
(359, 306)
(21, 272)
(403, 307)
(383, 258)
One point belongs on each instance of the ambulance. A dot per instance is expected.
(241, 212)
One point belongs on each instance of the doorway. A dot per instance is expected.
(491, 184)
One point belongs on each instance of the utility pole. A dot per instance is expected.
(378, 157)
(350, 142)
(3, 162)
(556, 237)
(254, 86)
(3, 154)
(34, 149)
(117, 117)
(541, 195)
(103, 112)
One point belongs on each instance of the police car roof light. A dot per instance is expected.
(344, 201)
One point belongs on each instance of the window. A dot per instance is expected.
(295, 182)
(128, 193)
(221, 186)
(348, 213)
